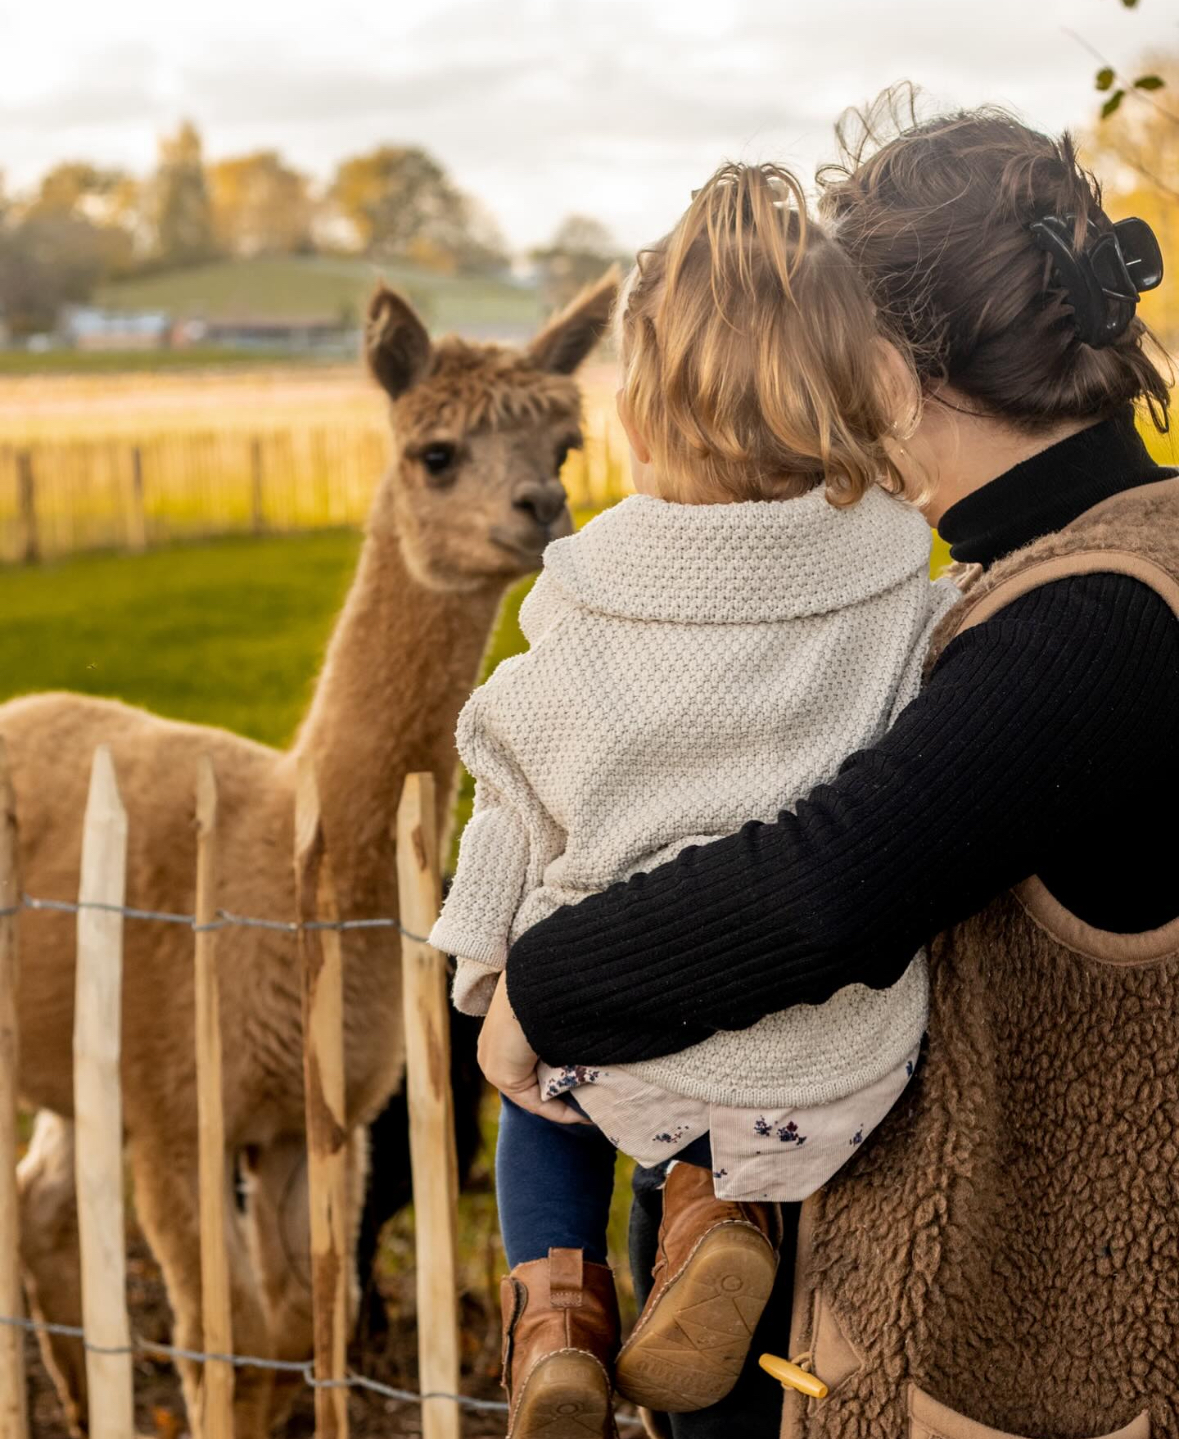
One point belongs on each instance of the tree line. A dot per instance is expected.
(83, 224)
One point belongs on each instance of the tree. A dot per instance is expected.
(107, 200)
(399, 197)
(47, 260)
(1137, 157)
(578, 253)
(182, 213)
(260, 205)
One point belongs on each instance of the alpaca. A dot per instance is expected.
(471, 498)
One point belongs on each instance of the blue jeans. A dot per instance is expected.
(554, 1183)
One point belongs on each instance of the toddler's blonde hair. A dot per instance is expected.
(754, 364)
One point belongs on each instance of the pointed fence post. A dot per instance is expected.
(321, 962)
(26, 501)
(14, 1422)
(98, 1105)
(431, 1108)
(216, 1401)
(137, 514)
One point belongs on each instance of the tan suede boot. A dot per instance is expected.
(715, 1270)
(560, 1318)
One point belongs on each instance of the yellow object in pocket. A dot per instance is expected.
(794, 1376)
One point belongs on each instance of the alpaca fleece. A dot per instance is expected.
(1003, 1258)
(692, 667)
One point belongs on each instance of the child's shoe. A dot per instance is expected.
(560, 1318)
(716, 1267)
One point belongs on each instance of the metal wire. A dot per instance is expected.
(304, 1368)
(225, 918)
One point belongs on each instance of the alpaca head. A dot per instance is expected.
(480, 433)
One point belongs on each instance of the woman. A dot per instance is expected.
(1003, 1256)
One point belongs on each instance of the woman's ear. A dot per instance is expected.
(637, 443)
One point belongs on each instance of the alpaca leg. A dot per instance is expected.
(280, 1237)
(166, 1201)
(50, 1256)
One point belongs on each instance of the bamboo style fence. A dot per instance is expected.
(101, 911)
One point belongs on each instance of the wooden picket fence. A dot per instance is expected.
(58, 497)
(98, 1111)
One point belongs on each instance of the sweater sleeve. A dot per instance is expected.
(1068, 697)
(495, 853)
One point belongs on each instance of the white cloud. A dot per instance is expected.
(538, 106)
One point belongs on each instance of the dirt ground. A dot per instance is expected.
(390, 1359)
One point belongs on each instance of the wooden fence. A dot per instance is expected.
(98, 1111)
(62, 496)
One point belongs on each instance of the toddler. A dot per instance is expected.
(703, 654)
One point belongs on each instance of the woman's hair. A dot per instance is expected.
(753, 363)
(936, 215)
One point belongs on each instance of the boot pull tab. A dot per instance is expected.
(566, 1278)
(794, 1374)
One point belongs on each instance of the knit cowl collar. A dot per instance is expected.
(747, 563)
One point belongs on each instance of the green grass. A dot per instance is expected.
(282, 287)
(108, 362)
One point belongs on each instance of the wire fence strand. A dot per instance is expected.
(226, 919)
(305, 1369)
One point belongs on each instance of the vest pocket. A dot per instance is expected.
(930, 1419)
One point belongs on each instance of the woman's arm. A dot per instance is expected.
(1061, 703)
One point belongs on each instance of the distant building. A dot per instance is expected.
(87, 327)
(266, 332)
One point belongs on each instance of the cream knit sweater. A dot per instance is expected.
(693, 667)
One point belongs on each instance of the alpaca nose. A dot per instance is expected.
(542, 501)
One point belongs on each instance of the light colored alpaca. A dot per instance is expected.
(470, 500)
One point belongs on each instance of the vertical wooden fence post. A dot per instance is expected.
(431, 1108)
(216, 1416)
(98, 1104)
(257, 512)
(26, 503)
(13, 1415)
(321, 962)
(137, 515)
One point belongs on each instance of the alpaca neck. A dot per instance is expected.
(400, 665)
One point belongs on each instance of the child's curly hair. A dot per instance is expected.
(754, 363)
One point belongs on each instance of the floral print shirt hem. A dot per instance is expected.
(779, 1155)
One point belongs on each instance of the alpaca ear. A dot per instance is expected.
(396, 344)
(570, 336)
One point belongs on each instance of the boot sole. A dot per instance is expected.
(567, 1396)
(691, 1348)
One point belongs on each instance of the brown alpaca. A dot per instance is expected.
(470, 500)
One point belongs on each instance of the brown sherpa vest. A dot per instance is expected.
(1003, 1258)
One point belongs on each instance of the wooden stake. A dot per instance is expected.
(26, 484)
(321, 961)
(98, 1105)
(431, 1109)
(257, 512)
(13, 1415)
(216, 1403)
(137, 516)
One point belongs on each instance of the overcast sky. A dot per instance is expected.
(615, 108)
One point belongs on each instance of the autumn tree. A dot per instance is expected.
(260, 205)
(578, 253)
(182, 212)
(403, 205)
(1135, 150)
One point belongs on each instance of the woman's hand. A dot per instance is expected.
(509, 1061)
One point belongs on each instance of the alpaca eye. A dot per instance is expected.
(437, 459)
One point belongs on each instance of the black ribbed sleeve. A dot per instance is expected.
(1043, 744)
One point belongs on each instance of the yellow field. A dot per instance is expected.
(98, 461)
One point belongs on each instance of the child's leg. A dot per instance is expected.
(712, 1278)
(553, 1185)
(560, 1312)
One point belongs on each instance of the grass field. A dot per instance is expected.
(320, 286)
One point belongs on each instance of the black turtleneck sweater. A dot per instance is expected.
(1045, 744)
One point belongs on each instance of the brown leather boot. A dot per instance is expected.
(560, 1339)
(716, 1267)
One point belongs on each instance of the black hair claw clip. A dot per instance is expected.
(1103, 279)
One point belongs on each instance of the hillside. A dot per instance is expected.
(315, 286)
